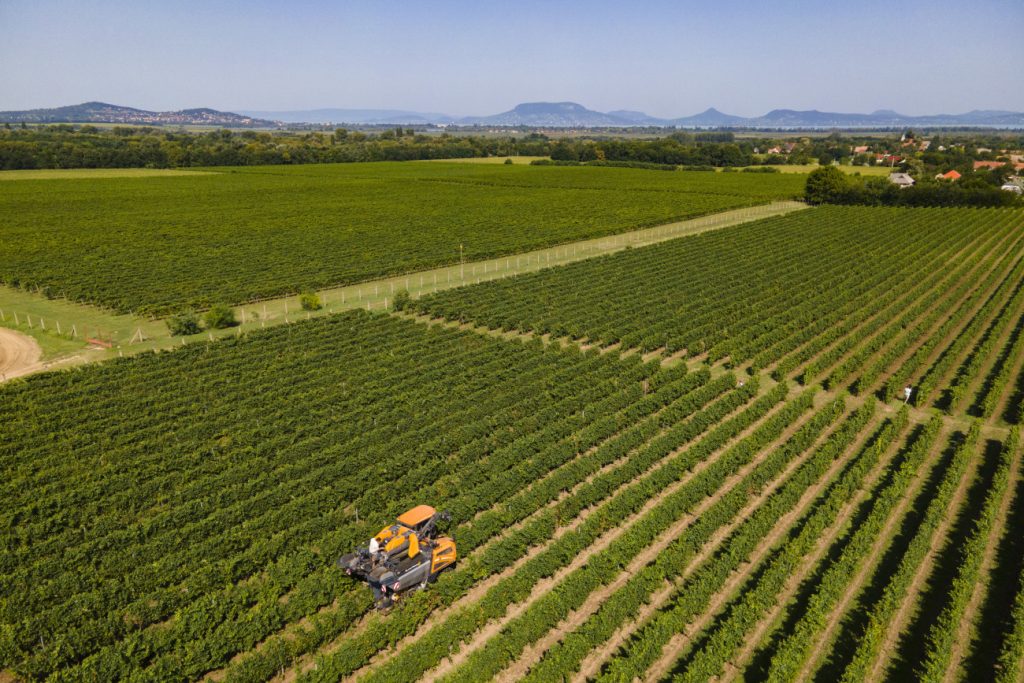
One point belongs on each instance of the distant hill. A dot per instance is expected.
(528, 114)
(352, 116)
(709, 118)
(550, 115)
(101, 112)
(573, 115)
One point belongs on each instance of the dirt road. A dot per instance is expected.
(19, 354)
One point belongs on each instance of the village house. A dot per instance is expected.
(996, 164)
(901, 179)
(949, 175)
(886, 158)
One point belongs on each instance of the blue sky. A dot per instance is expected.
(665, 58)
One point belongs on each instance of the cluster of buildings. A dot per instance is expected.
(1013, 184)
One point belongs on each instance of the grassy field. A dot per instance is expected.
(96, 173)
(486, 160)
(158, 244)
(883, 171)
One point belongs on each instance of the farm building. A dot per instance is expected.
(901, 179)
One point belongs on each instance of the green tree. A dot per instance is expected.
(183, 324)
(220, 316)
(310, 301)
(826, 184)
(402, 300)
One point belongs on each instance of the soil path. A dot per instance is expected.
(494, 627)
(19, 354)
(939, 539)
(681, 642)
(825, 640)
(967, 631)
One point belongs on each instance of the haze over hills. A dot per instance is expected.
(101, 112)
(364, 116)
(574, 115)
(529, 114)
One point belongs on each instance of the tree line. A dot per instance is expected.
(66, 146)
(87, 146)
(829, 185)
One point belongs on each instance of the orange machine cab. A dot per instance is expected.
(444, 555)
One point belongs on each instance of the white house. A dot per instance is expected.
(901, 179)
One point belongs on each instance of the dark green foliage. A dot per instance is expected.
(826, 185)
(829, 185)
(259, 438)
(183, 324)
(219, 317)
(146, 147)
(310, 301)
(402, 299)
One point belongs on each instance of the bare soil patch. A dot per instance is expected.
(19, 354)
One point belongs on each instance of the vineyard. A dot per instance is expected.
(865, 299)
(161, 244)
(688, 461)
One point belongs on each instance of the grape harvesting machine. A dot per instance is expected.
(404, 556)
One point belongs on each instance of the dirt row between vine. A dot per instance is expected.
(943, 346)
(823, 544)
(493, 627)
(978, 381)
(1016, 377)
(479, 589)
(939, 538)
(961, 644)
(592, 666)
(307, 662)
(945, 281)
(823, 642)
(680, 641)
(1006, 266)
(968, 248)
(534, 652)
